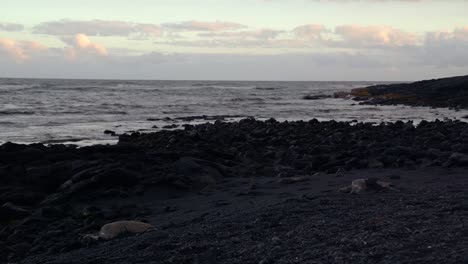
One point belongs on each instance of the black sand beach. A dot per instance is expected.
(243, 192)
(234, 132)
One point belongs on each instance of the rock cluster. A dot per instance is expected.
(49, 193)
(256, 148)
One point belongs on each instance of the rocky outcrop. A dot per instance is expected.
(447, 92)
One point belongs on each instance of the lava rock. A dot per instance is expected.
(9, 212)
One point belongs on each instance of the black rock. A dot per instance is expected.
(52, 212)
(110, 132)
(170, 126)
(458, 159)
(192, 173)
(118, 177)
(9, 212)
(446, 92)
(316, 97)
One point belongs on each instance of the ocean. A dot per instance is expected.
(78, 111)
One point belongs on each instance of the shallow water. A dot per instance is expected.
(78, 111)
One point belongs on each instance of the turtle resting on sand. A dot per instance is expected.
(120, 228)
(371, 184)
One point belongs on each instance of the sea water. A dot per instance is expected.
(78, 111)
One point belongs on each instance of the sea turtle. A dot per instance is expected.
(120, 228)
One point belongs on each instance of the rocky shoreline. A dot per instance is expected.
(446, 92)
(263, 177)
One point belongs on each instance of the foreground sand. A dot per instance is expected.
(246, 192)
(306, 222)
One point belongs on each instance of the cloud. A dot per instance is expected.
(291, 66)
(446, 48)
(305, 36)
(248, 53)
(373, 1)
(20, 51)
(82, 46)
(310, 32)
(253, 34)
(25, 52)
(459, 35)
(11, 27)
(82, 41)
(97, 27)
(131, 30)
(264, 39)
(202, 26)
(374, 36)
(356, 1)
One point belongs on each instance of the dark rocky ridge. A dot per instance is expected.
(446, 92)
(54, 194)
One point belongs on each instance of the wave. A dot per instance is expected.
(267, 88)
(223, 86)
(114, 113)
(199, 84)
(121, 83)
(61, 141)
(78, 88)
(134, 86)
(69, 112)
(237, 99)
(20, 87)
(16, 112)
(220, 84)
(7, 123)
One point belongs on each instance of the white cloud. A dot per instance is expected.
(253, 34)
(20, 51)
(11, 27)
(375, 36)
(447, 48)
(301, 52)
(97, 27)
(357, 1)
(194, 25)
(311, 32)
(81, 46)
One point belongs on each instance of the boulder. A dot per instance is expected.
(458, 159)
(9, 212)
(118, 177)
(315, 97)
(341, 94)
(370, 184)
(194, 174)
(295, 179)
(109, 132)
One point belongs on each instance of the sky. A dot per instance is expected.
(316, 40)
